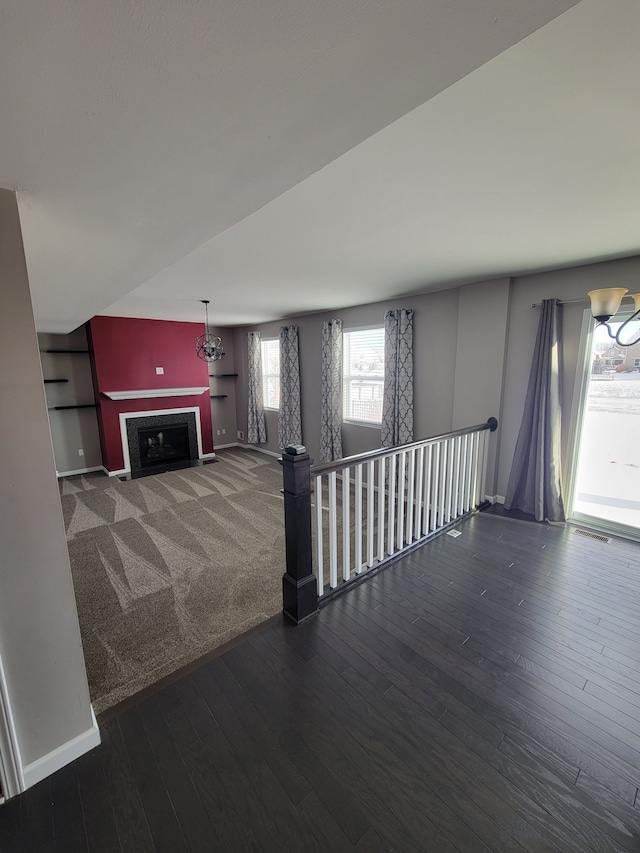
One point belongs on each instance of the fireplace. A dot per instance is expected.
(162, 441)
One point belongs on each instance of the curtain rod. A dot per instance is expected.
(562, 302)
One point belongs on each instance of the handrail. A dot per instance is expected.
(381, 452)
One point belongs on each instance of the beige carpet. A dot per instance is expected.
(166, 568)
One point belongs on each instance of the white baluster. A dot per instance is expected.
(391, 503)
(333, 532)
(319, 536)
(346, 524)
(427, 489)
(456, 478)
(419, 496)
(370, 510)
(381, 505)
(402, 458)
(358, 520)
(435, 497)
(411, 477)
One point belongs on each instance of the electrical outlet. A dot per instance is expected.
(159, 371)
(217, 432)
(240, 434)
(224, 432)
(80, 452)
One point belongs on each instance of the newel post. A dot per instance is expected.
(299, 589)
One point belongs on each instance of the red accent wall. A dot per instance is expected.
(125, 352)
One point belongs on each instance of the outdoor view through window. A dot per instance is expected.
(608, 470)
(363, 375)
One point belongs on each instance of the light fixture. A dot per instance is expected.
(605, 303)
(208, 347)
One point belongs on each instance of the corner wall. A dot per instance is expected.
(39, 635)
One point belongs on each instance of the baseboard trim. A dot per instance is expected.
(80, 471)
(62, 755)
(494, 499)
(207, 456)
(259, 450)
(224, 446)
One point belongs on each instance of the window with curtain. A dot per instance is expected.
(271, 373)
(363, 375)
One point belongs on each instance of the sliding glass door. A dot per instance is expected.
(605, 481)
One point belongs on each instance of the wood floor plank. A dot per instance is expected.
(480, 694)
(68, 818)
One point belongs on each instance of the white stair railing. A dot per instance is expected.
(371, 507)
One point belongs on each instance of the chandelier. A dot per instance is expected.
(208, 346)
(605, 303)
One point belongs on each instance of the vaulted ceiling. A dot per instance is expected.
(285, 157)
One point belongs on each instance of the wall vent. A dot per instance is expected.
(590, 535)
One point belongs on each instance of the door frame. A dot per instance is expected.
(11, 778)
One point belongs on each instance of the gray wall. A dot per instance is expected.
(223, 412)
(39, 634)
(72, 430)
(435, 324)
(473, 351)
(571, 283)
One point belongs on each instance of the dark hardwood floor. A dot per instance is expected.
(482, 694)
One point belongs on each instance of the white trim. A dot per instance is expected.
(146, 393)
(119, 473)
(62, 755)
(622, 531)
(210, 455)
(576, 416)
(82, 471)
(369, 424)
(495, 499)
(259, 450)
(11, 776)
(125, 416)
(223, 447)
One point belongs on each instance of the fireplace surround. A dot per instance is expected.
(158, 441)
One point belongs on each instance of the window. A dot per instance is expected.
(363, 375)
(271, 373)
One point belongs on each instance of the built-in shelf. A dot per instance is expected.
(85, 351)
(218, 396)
(221, 375)
(49, 381)
(79, 406)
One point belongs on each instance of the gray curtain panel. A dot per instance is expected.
(535, 484)
(331, 400)
(289, 420)
(256, 429)
(397, 402)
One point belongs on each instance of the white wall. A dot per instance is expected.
(39, 634)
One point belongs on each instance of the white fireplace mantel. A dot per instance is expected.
(146, 393)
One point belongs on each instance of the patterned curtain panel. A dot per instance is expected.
(256, 430)
(331, 401)
(289, 421)
(397, 402)
(535, 482)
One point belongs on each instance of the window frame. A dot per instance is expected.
(266, 375)
(347, 377)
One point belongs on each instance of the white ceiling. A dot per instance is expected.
(285, 157)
